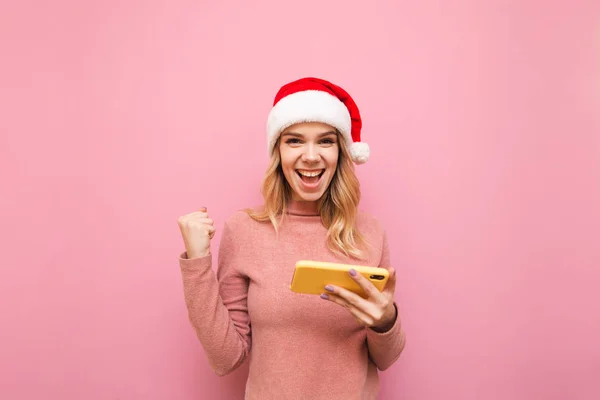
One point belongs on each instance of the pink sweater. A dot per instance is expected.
(303, 347)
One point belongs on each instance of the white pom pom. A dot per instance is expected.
(360, 152)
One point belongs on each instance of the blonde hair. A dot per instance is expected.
(338, 207)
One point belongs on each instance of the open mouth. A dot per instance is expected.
(310, 177)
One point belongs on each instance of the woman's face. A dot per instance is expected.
(309, 155)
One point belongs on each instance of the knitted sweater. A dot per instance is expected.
(300, 346)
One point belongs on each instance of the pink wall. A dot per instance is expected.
(483, 119)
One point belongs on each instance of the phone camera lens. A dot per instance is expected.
(377, 277)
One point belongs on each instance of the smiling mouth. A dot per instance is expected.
(310, 176)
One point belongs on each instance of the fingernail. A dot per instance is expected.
(353, 272)
(324, 296)
(329, 288)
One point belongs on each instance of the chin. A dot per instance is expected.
(309, 196)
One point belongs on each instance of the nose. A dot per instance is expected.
(311, 153)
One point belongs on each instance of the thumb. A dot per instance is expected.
(203, 209)
(390, 286)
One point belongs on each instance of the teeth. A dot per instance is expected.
(309, 173)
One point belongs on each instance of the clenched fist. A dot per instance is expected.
(197, 229)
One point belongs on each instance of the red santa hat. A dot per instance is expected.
(317, 100)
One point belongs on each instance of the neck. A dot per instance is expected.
(299, 207)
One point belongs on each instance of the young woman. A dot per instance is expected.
(300, 346)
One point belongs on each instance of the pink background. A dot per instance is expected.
(119, 116)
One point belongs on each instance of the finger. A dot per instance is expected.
(390, 286)
(194, 215)
(211, 231)
(206, 221)
(360, 316)
(366, 285)
(350, 297)
(203, 209)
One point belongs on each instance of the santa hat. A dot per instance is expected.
(317, 100)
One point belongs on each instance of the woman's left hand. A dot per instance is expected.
(377, 311)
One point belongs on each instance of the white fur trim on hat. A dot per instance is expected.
(308, 106)
(360, 152)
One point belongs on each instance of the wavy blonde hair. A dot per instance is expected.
(338, 206)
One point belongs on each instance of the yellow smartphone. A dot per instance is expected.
(310, 277)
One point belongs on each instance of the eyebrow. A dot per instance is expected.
(320, 135)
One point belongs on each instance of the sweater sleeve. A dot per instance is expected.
(217, 305)
(385, 348)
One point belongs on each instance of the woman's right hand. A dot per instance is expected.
(197, 229)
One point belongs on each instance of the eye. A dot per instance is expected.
(328, 141)
(293, 141)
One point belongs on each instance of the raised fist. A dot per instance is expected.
(197, 229)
